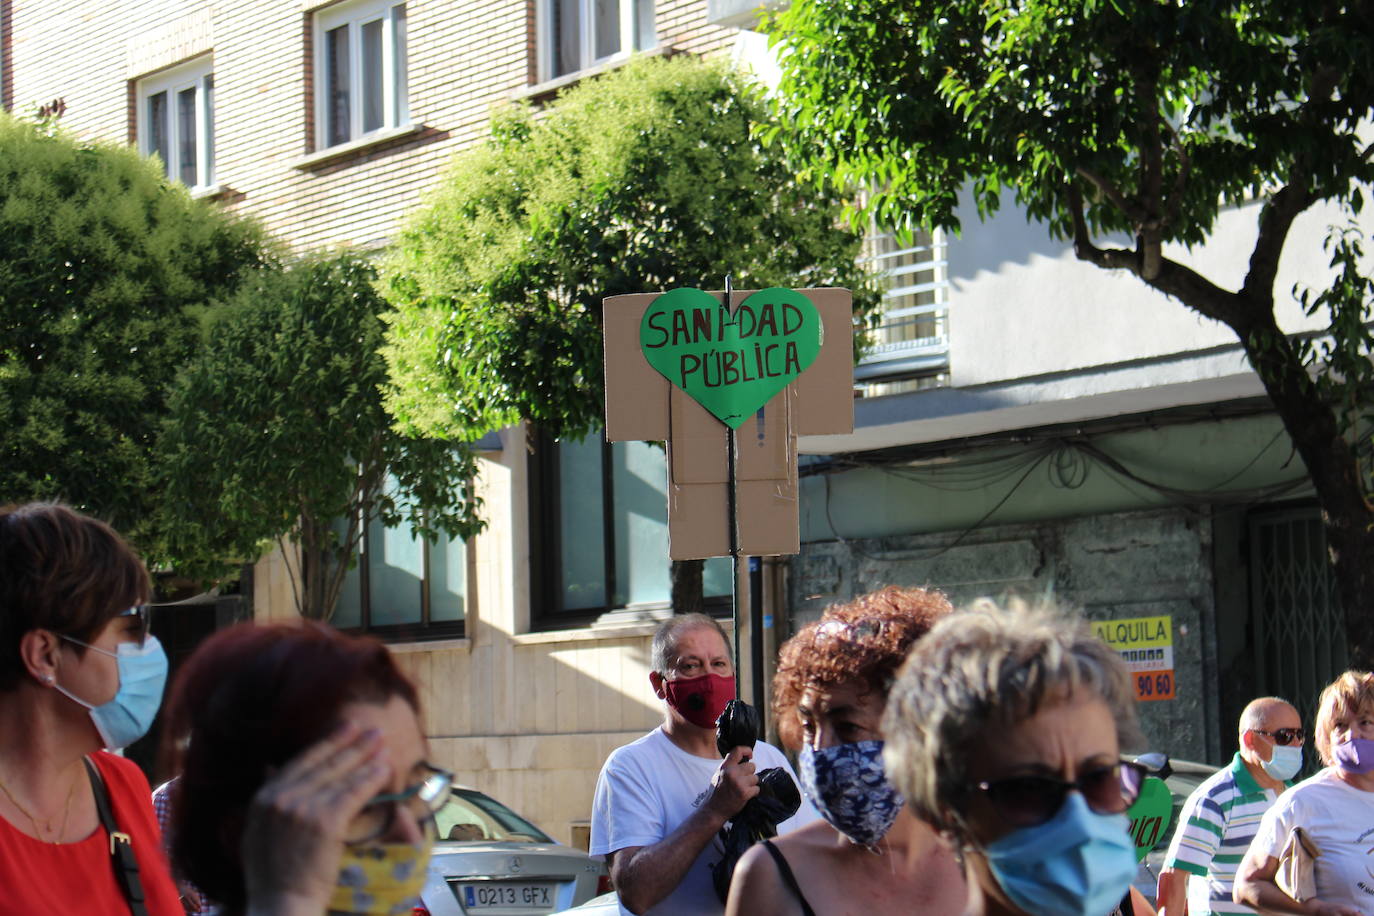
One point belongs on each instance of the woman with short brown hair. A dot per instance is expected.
(79, 674)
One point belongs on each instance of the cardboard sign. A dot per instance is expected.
(731, 364)
(1146, 645)
(641, 404)
(1150, 815)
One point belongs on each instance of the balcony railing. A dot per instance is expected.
(912, 340)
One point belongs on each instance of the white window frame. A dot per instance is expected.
(587, 39)
(197, 75)
(395, 83)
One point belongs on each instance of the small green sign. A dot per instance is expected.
(731, 365)
(1150, 816)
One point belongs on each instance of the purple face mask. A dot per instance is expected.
(1355, 755)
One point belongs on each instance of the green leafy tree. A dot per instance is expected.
(276, 433)
(647, 178)
(102, 265)
(1139, 117)
(643, 179)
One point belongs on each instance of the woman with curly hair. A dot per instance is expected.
(869, 855)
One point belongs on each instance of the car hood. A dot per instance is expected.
(456, 860)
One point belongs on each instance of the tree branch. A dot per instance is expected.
(1083, 247)
(1185, 166)
(1133, 212)
(1280, 210)
(1173, 279)
(286, 561)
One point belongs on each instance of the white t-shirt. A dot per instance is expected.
(1340, 820)
(647, 789)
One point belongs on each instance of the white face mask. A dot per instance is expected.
(1284, 762)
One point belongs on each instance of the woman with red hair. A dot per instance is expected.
(304, 782)
(870, 855)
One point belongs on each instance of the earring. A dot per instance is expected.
(47, 678)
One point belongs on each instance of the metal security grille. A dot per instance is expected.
(1299, 637)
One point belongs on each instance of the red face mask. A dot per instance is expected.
(702, 699)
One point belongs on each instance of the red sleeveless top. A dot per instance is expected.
(38, 878)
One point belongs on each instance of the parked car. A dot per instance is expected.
(490, 860)
(604, 905)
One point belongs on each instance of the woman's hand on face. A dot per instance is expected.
(294, 833)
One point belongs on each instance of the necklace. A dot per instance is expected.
(66, 813)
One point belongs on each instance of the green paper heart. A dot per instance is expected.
(731, 366)
(1150, 816)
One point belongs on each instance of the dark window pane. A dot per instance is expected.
(186, 137)
(607, 17)
(395, 572)
(581, 516)
(402, 100)
(715, 577)
(645, 36)
(338, 128)
(567, 36)
(374, 114)
(448, 574)
(209, 137)
(639, 487)
(349, 611)
(157, 128)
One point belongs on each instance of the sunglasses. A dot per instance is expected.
(1283, 736)
(143, 615)
(421, 801)
(1025, 801)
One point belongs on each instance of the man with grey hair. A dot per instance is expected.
(1220, 818)
(661, 800)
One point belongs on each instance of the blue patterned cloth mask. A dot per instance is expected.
(848, 785)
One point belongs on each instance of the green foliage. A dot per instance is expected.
(1161, 112)
(646, 178)
(276, 429)
(102, 263)
(1348, 374)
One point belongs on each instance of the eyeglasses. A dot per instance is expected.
(1025, 801)
(1283, 736)
(420, 801)
(144, 615)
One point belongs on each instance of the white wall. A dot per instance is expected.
(1021, 304)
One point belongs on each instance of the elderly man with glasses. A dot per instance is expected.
(1220, 818)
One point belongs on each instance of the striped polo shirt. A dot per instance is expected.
(1215, 827)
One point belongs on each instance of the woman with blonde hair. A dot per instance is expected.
(869, 855)
(1334, 808)
(1004, 731)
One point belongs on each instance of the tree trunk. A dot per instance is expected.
(687, 586)
(1335, 472)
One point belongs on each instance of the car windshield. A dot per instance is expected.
(471, 817)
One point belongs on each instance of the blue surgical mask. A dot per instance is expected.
(142, 675)
(1078, 863)
(849, 787)
(1284, 762)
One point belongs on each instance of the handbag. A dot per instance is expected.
(121, 845)
(1296, 876)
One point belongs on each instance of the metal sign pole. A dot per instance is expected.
(730, 513)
